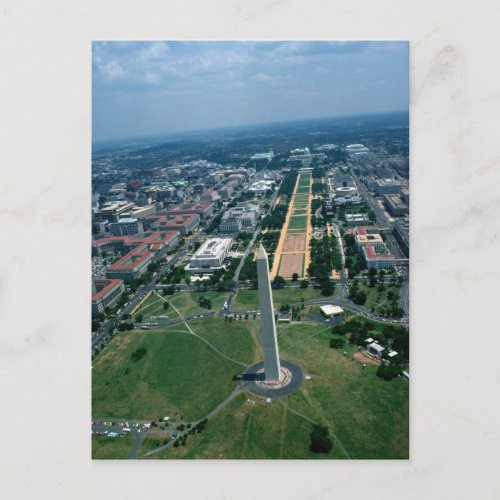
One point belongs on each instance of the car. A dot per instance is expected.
(174, 434)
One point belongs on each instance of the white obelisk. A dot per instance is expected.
(268, 336)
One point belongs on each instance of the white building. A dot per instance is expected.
(126, 226)
(210, 255)
(331, 311)
(263, 156)
(357, 220)
(260, 187)
(375, 349)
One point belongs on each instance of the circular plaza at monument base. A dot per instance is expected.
(291, 378)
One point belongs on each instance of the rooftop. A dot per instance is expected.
(130, 260)
(104, 286)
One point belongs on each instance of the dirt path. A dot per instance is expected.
(281, 242)
(309, 230)
(363, 359)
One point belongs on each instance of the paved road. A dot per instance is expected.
(372, 202)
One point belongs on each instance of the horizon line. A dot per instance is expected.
(253, 124)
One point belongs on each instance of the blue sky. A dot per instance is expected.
(155, 87)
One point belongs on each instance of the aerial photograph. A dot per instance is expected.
(250, 250)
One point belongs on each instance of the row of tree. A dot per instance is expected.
(325, 257)
(288, 183)
(276, 218)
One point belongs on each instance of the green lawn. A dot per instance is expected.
(178, 372)
(104, 447)
(248, 300)
(369, 416)
(185, 302)
(150, 443)
(239, 341)
(298, 222)
(376, 298)
(248, 430)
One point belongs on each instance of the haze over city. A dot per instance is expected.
(159, 87)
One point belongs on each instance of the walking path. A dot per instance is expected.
(281, 242)
(201, 338)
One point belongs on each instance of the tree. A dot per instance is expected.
(320, 442)
(327, 288)
(397, 312)
(138, 354)
(388, 372)
(138, 318)
(279, 282)
(337, 343)
(304, 284)
(295, 277)
(166, 305)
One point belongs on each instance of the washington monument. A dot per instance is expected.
(268, 336)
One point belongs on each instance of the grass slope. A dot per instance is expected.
(104, 447)
(179, 371)
(370, 416)
(248, 430)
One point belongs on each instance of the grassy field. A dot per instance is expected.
(104, 447)
(248, 300)
(178, 372)
(376, 298)
(370, 417)
(298, 222)
(238, 342)
(243, 430)
(150, 443)
(185, 302)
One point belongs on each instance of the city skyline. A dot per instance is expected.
(162, 87)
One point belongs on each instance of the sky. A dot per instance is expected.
(159, 87)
